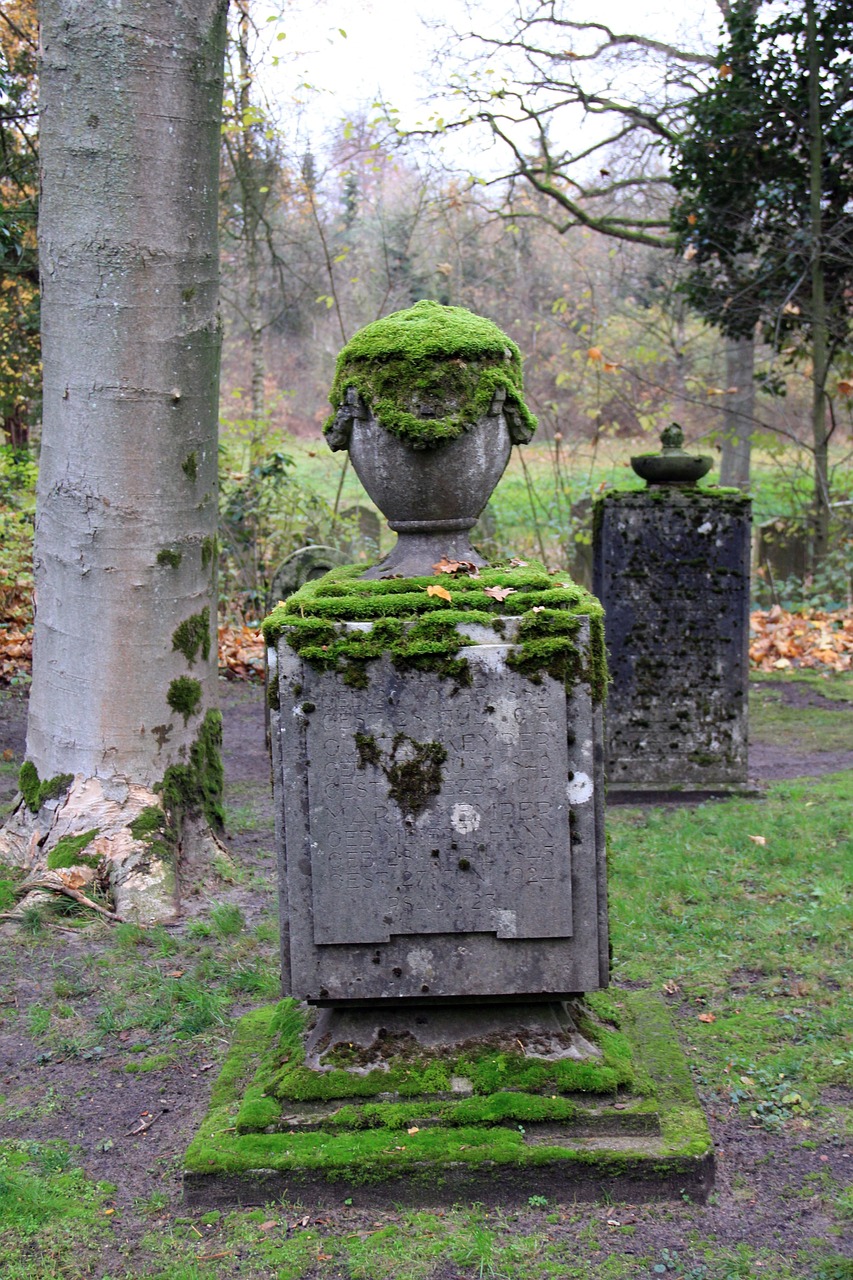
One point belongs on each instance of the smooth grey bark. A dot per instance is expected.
(819, 324)
(738, 412)
(130, 110)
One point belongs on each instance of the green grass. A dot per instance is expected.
(755, 934)
(835, 685)
(774, 721)
(534, 519)
(52, 1218)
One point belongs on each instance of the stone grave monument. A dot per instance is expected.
(671, 568)
(437, 755)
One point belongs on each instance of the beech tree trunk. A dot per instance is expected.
(819, 326)
(738, 413)
(122, 718)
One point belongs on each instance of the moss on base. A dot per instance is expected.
(413, 1072)
(422, 632)
(370, 1143)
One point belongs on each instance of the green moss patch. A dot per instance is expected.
(420, 631)
(167, 556)
(193, 636)
(522, 1114)
(35, 791)
(429, 373)
(153, 828)
(208, 551)
(184, 696)
(68, 852)
(413, 769)
(196, 787)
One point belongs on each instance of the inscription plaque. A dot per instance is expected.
(488, 852)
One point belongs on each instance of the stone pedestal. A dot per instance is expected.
(436, 734)
(671, 568)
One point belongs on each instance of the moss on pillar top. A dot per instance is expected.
(424, 629)
(428, 374)
(709, 494)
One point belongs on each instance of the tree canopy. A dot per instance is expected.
(744, 168)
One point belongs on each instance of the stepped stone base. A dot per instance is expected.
(573, 1101)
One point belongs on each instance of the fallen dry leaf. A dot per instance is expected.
(594, 353)
(414, 1129)
(499, 593)
(757, 839)
(268, 1226)
(456, 566)
(441, 592)
(515, 563)
(707, 1017)
(73, 879)
(670, 987)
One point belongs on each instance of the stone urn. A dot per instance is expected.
(428, 401)
(673, 465)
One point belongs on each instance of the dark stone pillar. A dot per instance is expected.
(671, 567)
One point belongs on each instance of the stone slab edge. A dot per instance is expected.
(686, 1169)
(639, 793)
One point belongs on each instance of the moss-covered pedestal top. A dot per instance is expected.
(429, 402)
(342, 622)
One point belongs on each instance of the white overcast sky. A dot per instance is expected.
(387, 50)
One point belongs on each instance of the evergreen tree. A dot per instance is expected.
(764, 174)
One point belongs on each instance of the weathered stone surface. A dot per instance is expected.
(672, 571)
(440, 841)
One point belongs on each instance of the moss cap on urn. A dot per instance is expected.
(429, 403)
(428, 374)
